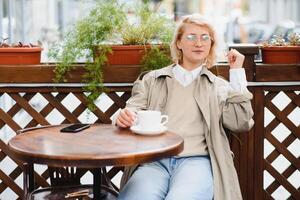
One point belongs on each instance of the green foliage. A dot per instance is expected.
(107, 24)
(150, 27)
(156, 58)
(100, 25)
(104, 20)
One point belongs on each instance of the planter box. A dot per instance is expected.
(125, 54)
(20, 55)
(124, 62)
(281, 55)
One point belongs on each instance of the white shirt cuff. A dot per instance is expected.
(237, 79)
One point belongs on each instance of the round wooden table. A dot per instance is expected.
(98, 146)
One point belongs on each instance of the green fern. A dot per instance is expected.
(107, 24)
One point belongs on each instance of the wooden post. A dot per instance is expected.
(259, 143)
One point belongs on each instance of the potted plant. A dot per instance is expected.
(106, 34)
(19, 54)
(279, 51)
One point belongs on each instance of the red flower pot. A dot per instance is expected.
(281, 55)
(20, 55)
(125, 54)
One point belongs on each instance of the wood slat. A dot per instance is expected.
(275, 184)
(267, 196)
(280, 72)
(16, 108)
(289, 156)
(13, 175)
(291, 198)
(294, 97)
(274, 154)
(2, 155)
(258, 142)
(250, 158)
(117, 100)
(35, 73)
(39, 180)
(12, 185)
(58, 105)
(27, 107)
(288, 186)
(117, 103)
(9, 121)
(102, 117)
(282, 117)
(272, 125)
(44, 73)
(45, 111)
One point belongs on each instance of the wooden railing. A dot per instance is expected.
(29, 98)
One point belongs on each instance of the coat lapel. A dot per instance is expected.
(169, 82)
(201, 96)
(169, 78)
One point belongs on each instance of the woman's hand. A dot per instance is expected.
(235, 59)
(125, 118)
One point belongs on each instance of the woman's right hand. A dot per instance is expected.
(126, 118)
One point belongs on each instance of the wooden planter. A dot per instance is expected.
(281, 55)
(20, 55)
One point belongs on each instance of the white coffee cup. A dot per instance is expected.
(151, 119)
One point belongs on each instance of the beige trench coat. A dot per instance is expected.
(220, 108)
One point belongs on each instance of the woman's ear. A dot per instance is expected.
(178, 43)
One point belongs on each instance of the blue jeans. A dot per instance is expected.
(171, 179)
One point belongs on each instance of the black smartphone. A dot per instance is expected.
(74, 128)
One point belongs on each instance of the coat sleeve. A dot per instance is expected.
(236, 113)
(139, 94)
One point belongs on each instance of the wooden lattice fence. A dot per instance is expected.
(34, 106)
(266, 158)
(278, 144)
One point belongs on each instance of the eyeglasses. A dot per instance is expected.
(205, 38)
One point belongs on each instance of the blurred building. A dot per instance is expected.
(274, 11)
(273, 17)
(47, 20)
(253, 20)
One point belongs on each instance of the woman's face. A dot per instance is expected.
(195, 44)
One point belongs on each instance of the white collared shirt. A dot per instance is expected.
(185, 77)
(237, 77)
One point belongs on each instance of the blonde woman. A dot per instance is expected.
(199, 105)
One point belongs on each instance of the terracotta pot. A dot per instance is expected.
(124, 63)
(20, 55)
(125, 54)
(281, 55)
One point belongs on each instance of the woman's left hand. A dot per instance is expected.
(235, 59)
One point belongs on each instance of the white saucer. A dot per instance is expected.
(138, 130)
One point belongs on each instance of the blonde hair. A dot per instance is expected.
(196, 19)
